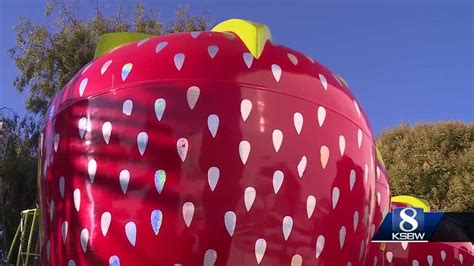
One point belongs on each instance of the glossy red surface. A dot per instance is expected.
(434, 253)
(89, 140)
(376, 252)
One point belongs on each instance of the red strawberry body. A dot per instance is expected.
(241, 148)
(382, 207)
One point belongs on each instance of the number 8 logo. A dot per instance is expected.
(408, 219)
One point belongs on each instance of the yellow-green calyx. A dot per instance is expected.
(253, 35)
(110, 41)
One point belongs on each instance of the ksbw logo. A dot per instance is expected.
(408, 224)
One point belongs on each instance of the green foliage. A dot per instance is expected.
(48, 55)
(18, 168)
(433, 162)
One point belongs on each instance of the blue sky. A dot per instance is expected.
(408, 61)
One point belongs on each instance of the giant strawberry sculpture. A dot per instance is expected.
(206, 148)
